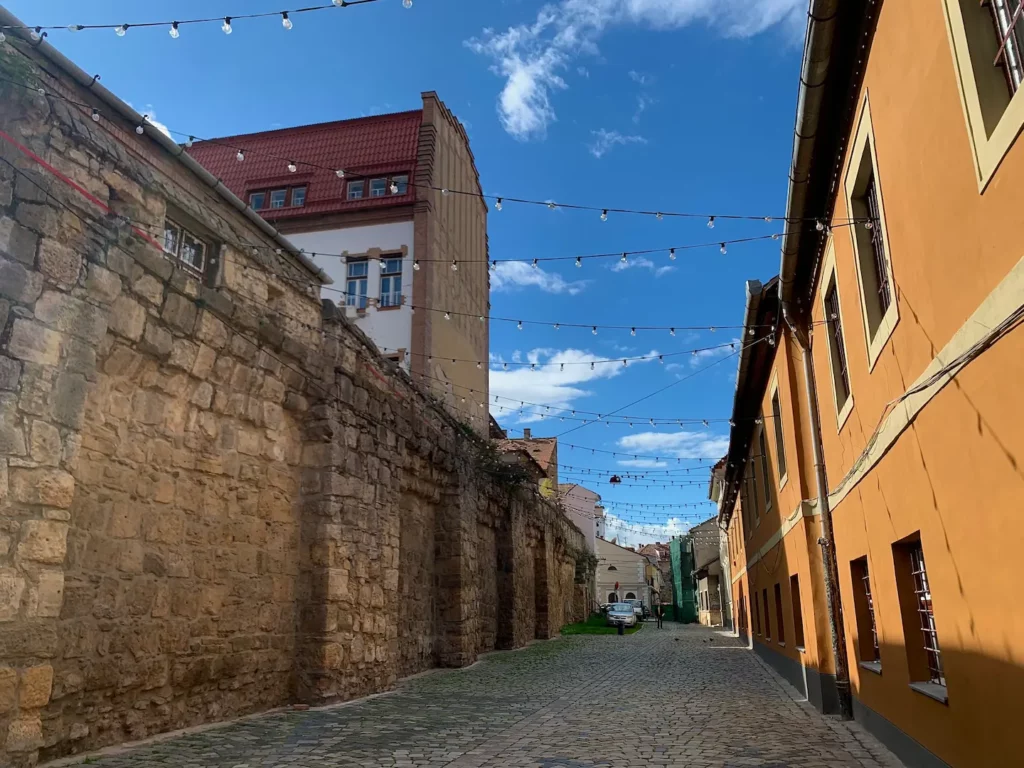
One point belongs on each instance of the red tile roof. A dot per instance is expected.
(366, 146)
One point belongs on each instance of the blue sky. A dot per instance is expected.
(681, 105)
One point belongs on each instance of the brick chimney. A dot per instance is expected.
(526, 434)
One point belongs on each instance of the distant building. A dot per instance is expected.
(621, 574)
(583, 507)
(543, 450)
(707, 572)
(372, 192)
(662, 560)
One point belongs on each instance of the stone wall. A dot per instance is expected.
(215, 496)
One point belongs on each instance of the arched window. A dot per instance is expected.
(612, 568)
(613, 597)
(630, 596)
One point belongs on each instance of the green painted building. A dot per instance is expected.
(685, 590)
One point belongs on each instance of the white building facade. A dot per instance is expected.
(583, 506)
(621, 574)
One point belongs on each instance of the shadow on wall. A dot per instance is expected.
(978, 725)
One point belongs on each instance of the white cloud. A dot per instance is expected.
(643, 463)
(632, 533)
(509, 275)
(531, 57)
(150, 114)
(641, 262)
(680, 445)
(605, 140)
(583, 72)
(643, 101)
(550, 384)
(702, 356)
(640, 77)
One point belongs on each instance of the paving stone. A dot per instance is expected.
(656, 698)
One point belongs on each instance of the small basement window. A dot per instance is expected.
(185, 248)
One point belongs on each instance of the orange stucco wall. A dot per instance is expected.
(956, 475)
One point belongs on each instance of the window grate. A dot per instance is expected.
(878, 246)
(930, 636)
(871, 609)
(835, 323)
(1008, 16)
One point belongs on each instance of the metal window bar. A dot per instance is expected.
(878, 246)
(836, 325)
(929, 634)
(1008, 16)
(871, 611)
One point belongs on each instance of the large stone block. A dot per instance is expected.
(12, 436)
(43, 541)
(103, 284)
(34, 343)
(36, 685)
(45, 487)
(10, 373)
(69, 399)
(25, 734)
(12, 587)
(19, 284)
(179, 312)
(17, 241)
(8, 689)
(44, 443)
(127, 318)
(67, 314)
(150, 289)
(212, 331)
(59, 263)
(126, 520)
(46, 598)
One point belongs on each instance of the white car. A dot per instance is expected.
(638, 607)
(621, 613)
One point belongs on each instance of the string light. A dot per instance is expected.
(594, 330)
(818, 225)
(95, 115)
(623, 259)
(226, 26)
(174, 31)
(722, 248)
(579, 262)
(711, 222)
(604, 215)
(285, 21)
(551, 206)
(497, 204)
(240, 156)
(340, 173)
(447, 315)
(672, 254)
(535, 264)
(416, 265)
(407, 4)
(139, 129)
(394, 188)
(445, 192)
(292, 167)
(455, 266)
(36, 34)
(658, 216)
(671, 331)
(121, 29)
(519, 325)
(632, 331)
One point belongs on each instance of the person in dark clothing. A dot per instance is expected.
(659, 612)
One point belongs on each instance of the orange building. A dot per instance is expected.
(897, 361)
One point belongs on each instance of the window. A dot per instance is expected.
(401, 184)
(743, 613)
(924, 659)
(391, 282)
(185, 248)
(798, 611)
(355, 189)
(780, 448)
(757, 615)
(767, 621)
(257, 200)
(613, 597)
(298, 196)
(836, 346)
(988, 51)
(630, 596)
(778, 615)
(612, 568)
(278, 197)
(355, 288)
(864, 611)
(765, 480)
(378, 187)
(870, 240)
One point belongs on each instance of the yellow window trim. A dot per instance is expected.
(829, 275)
(987, 150)
(864, 140)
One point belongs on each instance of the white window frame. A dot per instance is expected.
(773, 392)
(400, 180)
(270, 198)
(830, 276)
(175, 254)
(394, 298)
(988, 148)
(864, 143)
(352, 297)
(292, 202)
(355, 187)
(378, 191)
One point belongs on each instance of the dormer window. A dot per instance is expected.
(283, 197)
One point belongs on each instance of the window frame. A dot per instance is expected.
(798, 612)
(351, 185)
(403, 188)
(175, 256)
(383, 188)
(990, 140)
(924, 664)
(863, 152)
(767, 616)
(830, 281)
(261, 194)
(350, 299)
(869, 654)
(766, 482)
(779, 617)
(391, 303)
(289, 197)
(775, 399)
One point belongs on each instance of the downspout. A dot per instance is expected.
(821, 23)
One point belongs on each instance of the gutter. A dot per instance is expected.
(814, 71)
(176, 150)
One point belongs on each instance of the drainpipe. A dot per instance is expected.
(814, 71)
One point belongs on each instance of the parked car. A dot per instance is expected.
(638, 607)
(621, 613)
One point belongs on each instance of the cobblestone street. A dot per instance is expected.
(683, 696)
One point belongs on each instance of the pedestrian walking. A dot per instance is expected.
(658, 612)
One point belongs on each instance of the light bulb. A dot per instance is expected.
(775, 236)
(120, 30)
(482, 318)
(721, 247)
(285, 21)
(394, 188)
(658, 216)
(594, 330)
(623, 259)
(591, 366)
(3, 37)
(632, 331)
(139, 130)
(455, 266)
(604, 215)
(671, 331)
(445, 192)
(711, 222)
(478, 366)
(240, 156)
(535, 264)
(561, 367)
(504, 367)
(447, 315)
(189, 141)
(623, 362)
(174, 31)
(494, 265)
(36, 34)
(226, 26)
(339, 173)
(768, 219)
(497, 204)
(533, 366)
(519, 325)
(75, 27)
(339, 3)
(661, 359)
(556, 326)
(579, 262)
(552, 206)
(868, 224)
(416, 265)
(407, 3)
(95, 115)
(292, 167)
